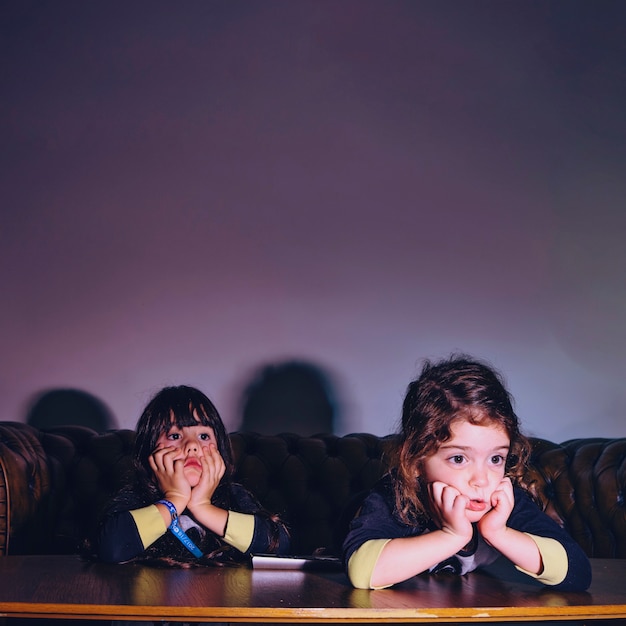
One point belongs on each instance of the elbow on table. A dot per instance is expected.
(113, 552)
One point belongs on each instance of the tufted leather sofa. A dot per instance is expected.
(53, 484)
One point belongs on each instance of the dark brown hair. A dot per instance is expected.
(182, 406)
(456, 388)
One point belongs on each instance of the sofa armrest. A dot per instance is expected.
(24, 482)
(5, 508)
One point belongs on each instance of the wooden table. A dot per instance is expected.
(66, 587)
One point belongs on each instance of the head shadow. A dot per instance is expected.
(69, 407)
(290, 397)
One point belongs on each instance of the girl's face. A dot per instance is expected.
(472, 461)
(190, 442)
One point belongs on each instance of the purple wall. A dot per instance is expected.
(193, 190)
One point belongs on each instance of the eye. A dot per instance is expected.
(497, 459)
(205, 436)
(173, 435)
(457, 459)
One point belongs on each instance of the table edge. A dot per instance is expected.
(310, 614)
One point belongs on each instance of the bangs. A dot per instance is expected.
(193, 414)
(188, 414)
(480, 417)
(182, 416)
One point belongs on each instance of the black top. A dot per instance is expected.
(119, 540)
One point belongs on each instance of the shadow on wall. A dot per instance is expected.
(64, 407)
(290, 397)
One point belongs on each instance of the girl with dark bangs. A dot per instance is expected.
(456, 499)
(183, 508)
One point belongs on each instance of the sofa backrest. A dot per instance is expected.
(54, 484)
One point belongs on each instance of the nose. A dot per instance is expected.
(191, 445)
(479, 476)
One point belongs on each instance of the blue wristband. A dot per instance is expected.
(170, 507)
(178, 532)
(183, 537)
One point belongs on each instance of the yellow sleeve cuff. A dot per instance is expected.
(362, 562)
(149, 523)
(239, 530)
(554, 559)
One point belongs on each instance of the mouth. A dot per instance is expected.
(193, 463)
(477, 505)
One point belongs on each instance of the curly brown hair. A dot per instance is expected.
(456, 388)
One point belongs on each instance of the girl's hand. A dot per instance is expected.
(502, 501)
(213, 469)
(170, 477)
(516, 546)
(449, 509)
(205, 512)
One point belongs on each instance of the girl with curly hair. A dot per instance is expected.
(456, 498)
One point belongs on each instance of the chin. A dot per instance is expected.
(476, 516)
(193, 478)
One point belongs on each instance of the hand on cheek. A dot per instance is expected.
(450, 508)
(168, 471)
(502, 501)
(213, 469)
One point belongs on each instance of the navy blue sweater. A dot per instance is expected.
(378, 519)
